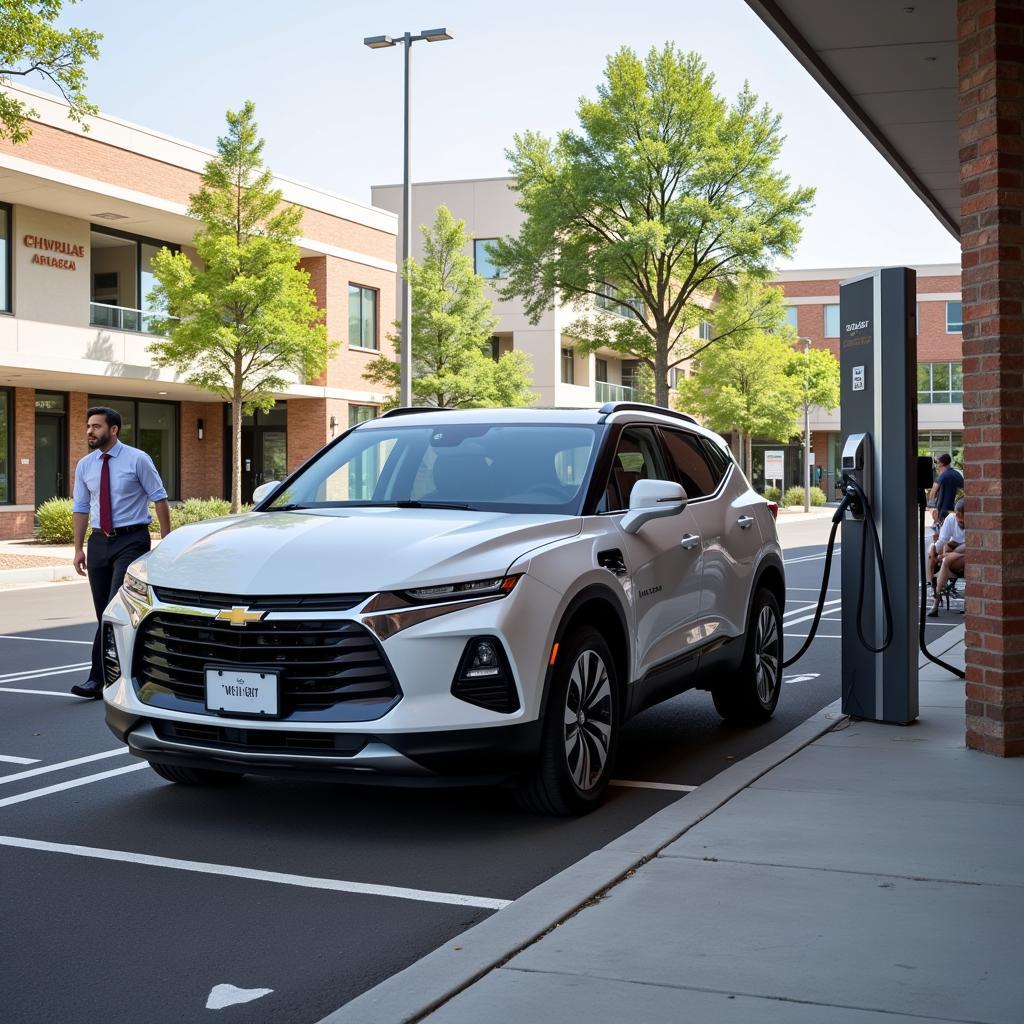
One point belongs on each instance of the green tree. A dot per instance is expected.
(30, 44)
(745, 385)
(452, 325)
(666, 195)
(244, 321)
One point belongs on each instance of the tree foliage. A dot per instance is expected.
(666, 194)
(30, 44)
(244, 321)
(816, 372)
(452, 325)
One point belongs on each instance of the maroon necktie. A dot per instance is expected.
(106, 516)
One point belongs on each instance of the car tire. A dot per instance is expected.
(580, 732)
(194, 776)
(753, 696)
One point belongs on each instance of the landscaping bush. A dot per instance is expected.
(794, 497)
(772, 494)
(194, 510)
(55, 523)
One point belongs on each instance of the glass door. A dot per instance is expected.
(51, 447)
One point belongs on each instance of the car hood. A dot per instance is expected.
(347, 550)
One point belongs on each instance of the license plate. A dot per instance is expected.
(245, 693)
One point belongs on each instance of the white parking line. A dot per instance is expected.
(47, 768)
(808, 607)
(817, 636)
(19, 760)
(35, 794)
(45, 639)
(230, 871)
(39, 673)
(670, 786)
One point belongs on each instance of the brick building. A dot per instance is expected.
(812, 306)
(81, 216)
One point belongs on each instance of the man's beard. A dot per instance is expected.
(95, 442)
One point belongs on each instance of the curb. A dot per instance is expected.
(36, 574)
(412, 994)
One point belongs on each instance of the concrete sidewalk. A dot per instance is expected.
(850, 873)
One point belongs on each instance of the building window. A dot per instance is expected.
(5, 259)
(791, 316)
(361, 413)
(362, 317)
(940, 383)
(705, 330)
(832, 320)
(483, 263)
(122, 279)
(568, 366)
(601, 370)
(493, 348)
(153, 427)
(940, 442)
(6, 446)
(954, 317)
(613, 300)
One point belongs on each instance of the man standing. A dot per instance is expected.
(945, 487)
(113, 487)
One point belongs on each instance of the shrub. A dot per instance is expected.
(772, 494)
(817, 497)
(194, 510)
(793, 496)
(55, 522)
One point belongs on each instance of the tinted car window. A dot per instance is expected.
(692, 465)
(719, 457)
(637, 457)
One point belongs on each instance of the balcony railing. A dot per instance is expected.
(121, 318)
(605, 392)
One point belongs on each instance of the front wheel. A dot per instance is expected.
(752, 696)
(580, 730)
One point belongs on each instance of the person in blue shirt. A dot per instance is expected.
(113, 487)
(945, 488)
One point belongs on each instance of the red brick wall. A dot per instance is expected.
(25, 446)
(991, 56)
(202, 462)
(307, 429)
(78, 447)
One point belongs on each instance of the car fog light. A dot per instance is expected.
(484, 677)
(111, 662)
(484, 661)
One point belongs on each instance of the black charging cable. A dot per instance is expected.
(924, 599)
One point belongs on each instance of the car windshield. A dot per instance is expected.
(499, 467)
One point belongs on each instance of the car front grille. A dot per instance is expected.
(269, 603)
(261, 741)
(322, 663)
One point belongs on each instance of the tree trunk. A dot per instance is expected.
(750, 457)
(661, 370)
(236, 452)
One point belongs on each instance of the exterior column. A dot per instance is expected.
(991, 72)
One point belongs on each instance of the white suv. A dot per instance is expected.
(481, 595)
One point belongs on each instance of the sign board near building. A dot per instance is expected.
(774, 466)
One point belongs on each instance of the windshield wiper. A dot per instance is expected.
(292, 506)
(410, 503)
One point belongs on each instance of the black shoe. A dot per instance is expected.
(934, 613)
(90, 689)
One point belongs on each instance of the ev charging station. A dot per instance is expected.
(878, 388)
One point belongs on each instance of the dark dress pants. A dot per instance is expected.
(108, 558)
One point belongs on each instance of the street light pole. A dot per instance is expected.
(807, 426)
(434, 35)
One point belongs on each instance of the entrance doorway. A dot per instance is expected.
(264, 449)
(51, 446)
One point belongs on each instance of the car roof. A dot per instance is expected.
(612, 412)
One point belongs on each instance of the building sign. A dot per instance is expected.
(774, 465)
(54, 253)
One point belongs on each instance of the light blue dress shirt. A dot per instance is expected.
(134, 483)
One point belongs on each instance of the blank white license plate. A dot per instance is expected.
(247, 693)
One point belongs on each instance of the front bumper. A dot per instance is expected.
(458, 757)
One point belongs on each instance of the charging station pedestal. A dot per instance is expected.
(878, 388)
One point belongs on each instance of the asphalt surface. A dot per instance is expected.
(127, 898)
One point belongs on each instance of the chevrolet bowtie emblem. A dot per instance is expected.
(238, 616)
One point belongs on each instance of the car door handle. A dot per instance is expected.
(691, 540)
(745, 522)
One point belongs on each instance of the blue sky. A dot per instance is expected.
(330, 109)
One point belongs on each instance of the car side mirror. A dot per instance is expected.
(652, 499)
(264, 490)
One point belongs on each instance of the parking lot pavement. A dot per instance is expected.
(136, 899)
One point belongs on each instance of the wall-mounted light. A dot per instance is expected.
(199, 429)
(334, 425)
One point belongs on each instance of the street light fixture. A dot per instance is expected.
(807, 427)
(431, 35)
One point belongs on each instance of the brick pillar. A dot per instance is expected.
(991, 71)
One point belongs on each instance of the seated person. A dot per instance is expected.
(950, 548)
(950, 528)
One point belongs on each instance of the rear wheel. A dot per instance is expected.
(194, 776)
(753, 695)
(580, 730)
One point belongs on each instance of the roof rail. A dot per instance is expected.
(409, 410)
(609, 407)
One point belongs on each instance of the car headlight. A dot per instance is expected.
(498, 586)
(136, 587)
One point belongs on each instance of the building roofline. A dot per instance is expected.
(447, 181)
(110, 130)
(841, 273)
